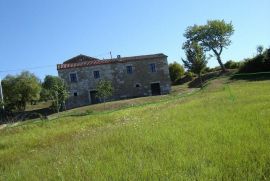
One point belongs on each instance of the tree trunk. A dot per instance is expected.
(221, 64)
(104, 102)
(200, 77)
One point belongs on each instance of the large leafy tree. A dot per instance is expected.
(196, 60)
(55, 89)
(20, 90)
(176, 71)
(214, 36)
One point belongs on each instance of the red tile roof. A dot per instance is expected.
(80, 58)
(85, 61)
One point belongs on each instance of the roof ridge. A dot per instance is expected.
(83, 59)
(93, 62)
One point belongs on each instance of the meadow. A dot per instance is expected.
(219, 133)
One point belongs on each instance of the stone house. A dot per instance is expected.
(131, 77)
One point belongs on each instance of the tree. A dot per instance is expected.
(195, 59)
(20, 90)
(55, 89)
(176, 71)
(259, 49)
(214, 36)
(232, 64)
(104, 90)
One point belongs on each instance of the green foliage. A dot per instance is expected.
(184, 138)
(1, 104)
(196, 60)
(260, 49)
(190, 74)
(176, 71)
(214, 36)
(259, 63)
(19, 90)
(55, 89)
(233, 65)
(104, 89)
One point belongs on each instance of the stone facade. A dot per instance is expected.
(130, 76)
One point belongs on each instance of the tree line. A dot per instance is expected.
(26, 88)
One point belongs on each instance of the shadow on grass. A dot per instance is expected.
(196, 83)
(9, 117)
(251, 76)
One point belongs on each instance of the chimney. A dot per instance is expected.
(118, 57)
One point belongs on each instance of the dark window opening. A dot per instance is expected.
(152, 67)
(137, 85)
(96, 74)
(73, 77)
(129, 69)
(75, 94)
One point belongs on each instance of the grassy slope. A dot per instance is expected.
(220, 133)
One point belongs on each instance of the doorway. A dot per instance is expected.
(94, 98)
(155, 89)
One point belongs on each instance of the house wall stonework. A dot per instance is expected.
(124, 84)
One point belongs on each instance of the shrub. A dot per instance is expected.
(208, 69)
(232, 65)
(176, 71)
(20, 90)
(260, 63)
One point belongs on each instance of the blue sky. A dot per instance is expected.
(38, 34)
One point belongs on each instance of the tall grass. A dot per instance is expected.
(206, 136)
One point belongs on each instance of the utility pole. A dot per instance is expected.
(1, 95)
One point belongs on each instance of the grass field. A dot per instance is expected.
(220, 133)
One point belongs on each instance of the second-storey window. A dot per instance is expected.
(129, 69)
(96, 74)
(152, 67)
(73, 77)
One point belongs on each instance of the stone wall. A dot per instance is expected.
(124, 84)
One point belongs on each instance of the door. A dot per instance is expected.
(155, 89)
(94, 98)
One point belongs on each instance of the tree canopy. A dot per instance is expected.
(176, 71)
(195, 59)
(214, 36)
(260, 49)
(20, 89)
(55, 89)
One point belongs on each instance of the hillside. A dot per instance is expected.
(219, 133)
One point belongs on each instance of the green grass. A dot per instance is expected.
(220, 133)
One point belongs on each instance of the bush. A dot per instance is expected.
(260, 63)
(20, 90)
(208, 69)
(232, 65)
(176, 71)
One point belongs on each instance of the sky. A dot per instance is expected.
(36, 35)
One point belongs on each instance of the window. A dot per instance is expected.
(75, 94)
(96, 74)
(152, 67)
(129, 69)
(73, 77)
(137, 85)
